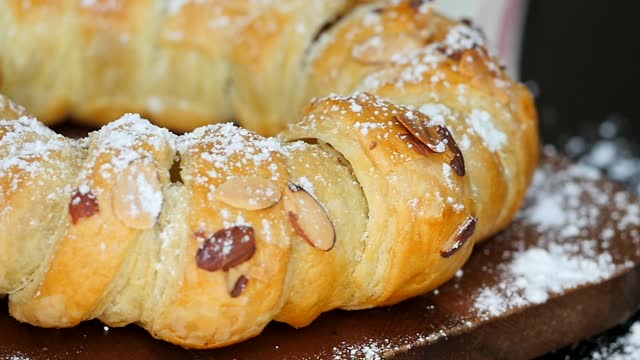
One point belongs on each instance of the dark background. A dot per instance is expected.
(582, 58)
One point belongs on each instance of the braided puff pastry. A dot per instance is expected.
(204, 238)
(187, 63)
(362, 203)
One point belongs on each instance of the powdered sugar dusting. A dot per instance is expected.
(537, 273)
(548, 211)
(568, 254)
(17, 356)
(437, 113)
(222, 150)
(26, 147)
(462, 37)
(371, 349)
(125, 140)
(14, 109)
(483, 124)
(149, 197)
(307, 185)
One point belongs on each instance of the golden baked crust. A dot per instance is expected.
(373, 197)
(397, 210)
(183, 63)
(188, 63)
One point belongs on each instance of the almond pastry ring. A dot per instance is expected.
(203, 238)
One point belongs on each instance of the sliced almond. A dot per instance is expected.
(460, 237)
(309, 218)
(83, 204)
(418, 125)
(137, 196)
(249, 193)
(417, 145)
(381, 49)
(226, 248)
(236, 281)
(457, 160)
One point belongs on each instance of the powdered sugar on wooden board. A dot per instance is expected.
(537, 274)
(568, 255)
(19, 357)
(576, 217)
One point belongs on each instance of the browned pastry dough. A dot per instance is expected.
(368, 200)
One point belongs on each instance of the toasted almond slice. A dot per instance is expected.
(417, 145)
(236, 281)
(460, 237)
(84, 204)
(226, 248)
(249, 193)
(137, 196)
(418, 125)
(381, 49)
(309, 218)
(457, 159)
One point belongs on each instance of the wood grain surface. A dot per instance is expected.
(450, 323)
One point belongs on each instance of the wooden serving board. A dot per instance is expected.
(566, 269)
